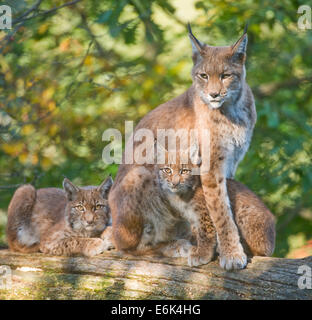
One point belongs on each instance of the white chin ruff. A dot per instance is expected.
(212, 105)
(215, 105)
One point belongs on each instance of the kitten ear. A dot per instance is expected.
(197, 46)
(239, 48)
(105, 186)
(70, 189)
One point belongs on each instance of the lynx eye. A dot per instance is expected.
(225, 75)
(203, 76)
(166, 170)
(185, 171)
(99, 206)
(80, 207)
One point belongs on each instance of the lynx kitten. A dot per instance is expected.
(60, 222)
(184, 194)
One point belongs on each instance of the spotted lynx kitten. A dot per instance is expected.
(60, 222)
(221, 102)
(184, 194)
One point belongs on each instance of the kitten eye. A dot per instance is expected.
(80, 207)
(185, 171)
(166, 170)
(203, 76)
(99, 206)
(225, 75)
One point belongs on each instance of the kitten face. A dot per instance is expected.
(177, 178)
(87, 209)
(90, 212)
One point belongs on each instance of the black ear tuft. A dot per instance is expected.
(197, 46)
(246, 27)
(70, 189)
(105, 186)
(239, 48)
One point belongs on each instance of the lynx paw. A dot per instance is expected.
(184, 248)
(107, 237)
(177, 249)
(108, 245)
(94, 247)
(237, 260)
(199, 257)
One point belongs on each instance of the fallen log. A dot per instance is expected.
(115, 276)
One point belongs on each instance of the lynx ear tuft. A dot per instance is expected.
(246, 27)
(239, 48)
(70, 189)
(197, 46)
(105, 187)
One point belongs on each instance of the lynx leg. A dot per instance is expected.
(177, 248)
(232, 255)
(107, 237)
(206, 238)
(73, 246)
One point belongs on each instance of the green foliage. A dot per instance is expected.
(67, 76)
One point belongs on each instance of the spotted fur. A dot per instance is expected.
(219, 101)
(59, 222)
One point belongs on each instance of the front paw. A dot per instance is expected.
(233, 260)
(108, 244)
(199, 256)
(177, 249)
(94, 247)
(107, 237)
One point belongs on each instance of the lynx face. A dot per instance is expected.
(88, 210)
(177, 178)
(219, 72)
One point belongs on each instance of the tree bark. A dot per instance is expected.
(115, 276)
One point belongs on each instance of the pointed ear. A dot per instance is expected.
(197, 46)
(70, 189)
(239, 48)
(105, 187)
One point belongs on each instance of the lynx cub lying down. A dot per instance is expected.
(60, 222)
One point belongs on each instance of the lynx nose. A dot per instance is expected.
(89, 217)
(175, 181)
(214, 94)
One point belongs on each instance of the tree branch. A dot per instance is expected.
(31, 14)
(149, 278)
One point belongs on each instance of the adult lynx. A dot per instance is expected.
(59, 222)
(220, 101)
